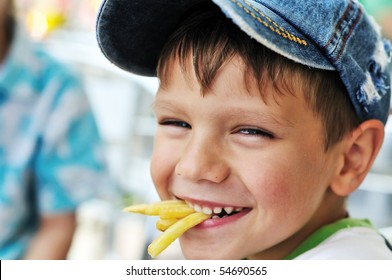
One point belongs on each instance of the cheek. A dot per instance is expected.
(271, 190)
(281, 187)
(162, 167)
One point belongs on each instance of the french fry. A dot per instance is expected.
(178, 211)
(175, 231)
(154, 209)
(176, 217)
(164, 224)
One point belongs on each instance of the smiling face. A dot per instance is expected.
(228, 148)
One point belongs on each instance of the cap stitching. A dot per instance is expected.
(348, 34)
(346, 12)
(269, 23)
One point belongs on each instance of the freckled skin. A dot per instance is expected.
(231, 148)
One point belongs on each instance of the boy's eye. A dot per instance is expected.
(175, 123)
(255, 132)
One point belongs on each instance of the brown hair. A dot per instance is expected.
(211, 39)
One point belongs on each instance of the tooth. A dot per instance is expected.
(239, 209)
(218, 210)
(215, 217)
(197, 208)
(229, 210)
(207, 210)
(189, 204)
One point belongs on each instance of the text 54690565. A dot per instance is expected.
(242, 270)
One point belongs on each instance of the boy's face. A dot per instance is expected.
(230, 149)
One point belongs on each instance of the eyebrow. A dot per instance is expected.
(260, 117)
(164, 105)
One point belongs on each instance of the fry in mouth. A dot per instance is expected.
(176, 217)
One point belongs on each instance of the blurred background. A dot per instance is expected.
(121, 103)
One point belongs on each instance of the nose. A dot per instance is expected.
(202, 160)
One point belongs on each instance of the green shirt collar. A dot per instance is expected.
(324, 233)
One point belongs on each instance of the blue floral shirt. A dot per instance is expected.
(50, 150)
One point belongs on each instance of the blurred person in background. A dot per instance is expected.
(50, 149)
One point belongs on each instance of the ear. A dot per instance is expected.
(360, 151)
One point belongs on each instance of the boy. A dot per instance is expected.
(270, 113)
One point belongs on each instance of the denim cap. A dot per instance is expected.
(332, 35)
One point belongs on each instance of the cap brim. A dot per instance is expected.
(131, 34)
